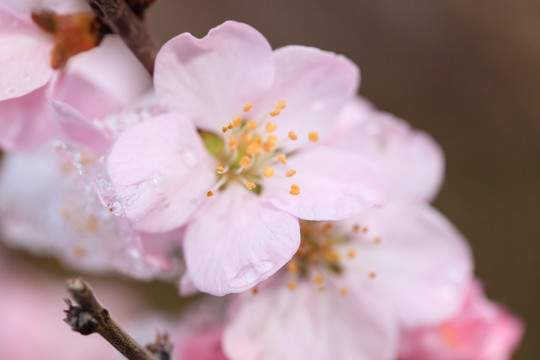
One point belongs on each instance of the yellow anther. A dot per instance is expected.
(377, 240)
(210, 193)
(253, 149)
(230, 126)
(237, 121)
(343, 291)
(268, 171)
(220, 169)
(295, 190)
(271, 139)
(372, 275)
(365, 229)
(313, 136)
(233, 142)
(292, 267)
(332, 256)
(320, 288)
(318, 279)
(282, 159)
(356, 227)
(275, 112)
(327, 226)
(292, 135)
(290, 173)
(270, 127)
(245, 161)
(251, 125)
(281, 104)
(247, 107)
(305, 229)
(224, 129)
(292, 285)
(251, 185)
(79, 251)
(246, 138)
(351, 254)
(268, 146)
(255, 290)
(90, 224)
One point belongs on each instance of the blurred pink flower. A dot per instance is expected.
(248, 188)
(31, 309)
(482, 330)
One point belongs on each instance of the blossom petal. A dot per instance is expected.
(24, 57)
(334, 185)
(210, 79)
(25, 121)
(235, 242)
(315, 84)
(411, 161)
(278, 323)
(160, 171)
(422, 263)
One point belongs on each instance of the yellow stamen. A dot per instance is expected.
(281, 104)
(343, 291)
(220, 169)
(318, 279)
(210, 193)
(251, 125)
(251, 185)
(356, 227)
(237, 121)
(313, 136)
(230, 126)
(372, 275)
(292, 285)
(275, 112)
(271, 127)
(79, 251)
(91, 224)
(271, 139)
(282, 159)
(292, 135)
(295, 190)
(377, 240)
(365, 229)
(224, 129)
(292, 267)
(245, 161)
(327, 226)
(247, 107)
(255, 290)
(268, 171)
(351, 254)
(321, 288)
(233, 142)
(290, 173)
(305, 228)
(253, 149)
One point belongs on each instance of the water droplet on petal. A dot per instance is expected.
(189, 157)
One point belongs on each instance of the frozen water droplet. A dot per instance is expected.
(25, 75)
(11, 91)
(190, 159)
(115, 208)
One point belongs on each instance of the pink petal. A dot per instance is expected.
(422, 264)
(334, 185)
(411, 161)
(306, 323)
(235, 242)
(59, 6)
(315, 84)
(210, 79)
(25, 121)
(161, 172)
(25, 56)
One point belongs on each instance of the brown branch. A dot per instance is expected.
(91, 317)
(118, 16)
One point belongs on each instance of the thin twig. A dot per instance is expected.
(117, 15)
(91, 317)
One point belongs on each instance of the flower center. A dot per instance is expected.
(250, 151)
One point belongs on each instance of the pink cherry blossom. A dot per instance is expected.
(482, 330)
(47, 207)
(411, 161)
(239, 193)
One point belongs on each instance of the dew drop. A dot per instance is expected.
(189, 157)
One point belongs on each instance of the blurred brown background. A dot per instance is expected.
(467, 72)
